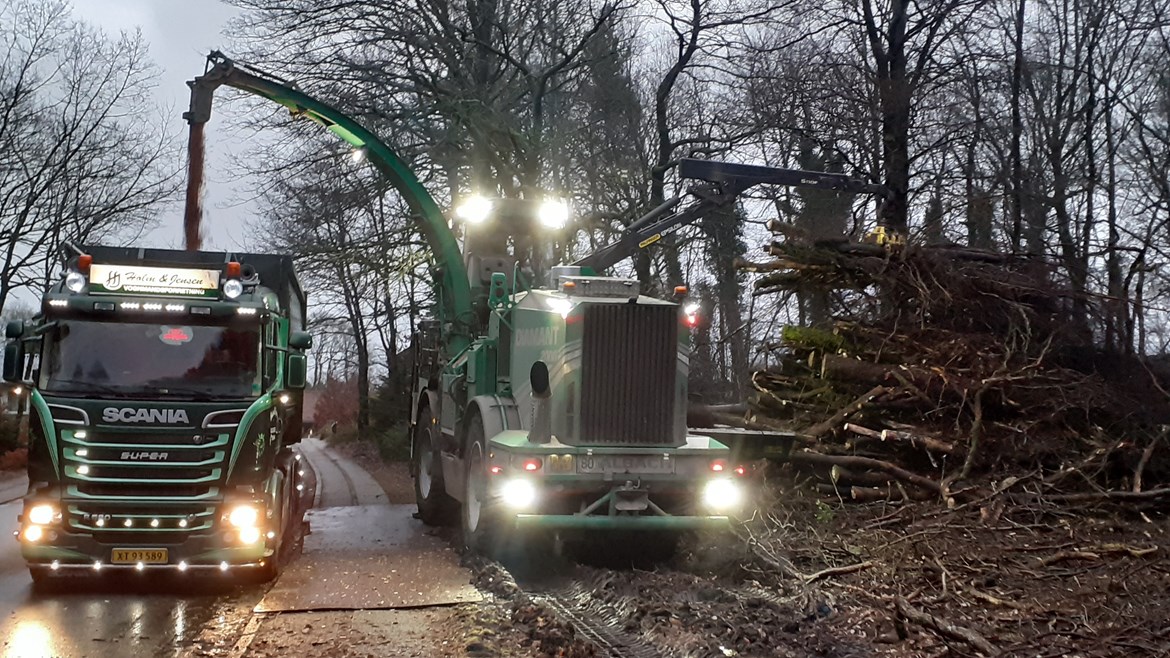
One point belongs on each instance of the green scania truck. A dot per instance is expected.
(164, 390)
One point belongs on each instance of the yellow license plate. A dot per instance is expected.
(136, 555)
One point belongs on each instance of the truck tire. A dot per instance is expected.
(42, 577)
(272, 567)
(479, 523)
(435, 507)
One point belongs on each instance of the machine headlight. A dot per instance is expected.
(474, 210)
(244, 516)
(554, 213)
(42, 514)
(232, 288)
(518, 493)
(722, 494)
(75, 281)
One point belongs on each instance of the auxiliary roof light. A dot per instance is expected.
(75, 281)
(554, 213)
(232, 288)
(474, 209)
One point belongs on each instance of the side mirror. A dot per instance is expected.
(15, 329)
(300, 340)
(295, 371)
(13, 360)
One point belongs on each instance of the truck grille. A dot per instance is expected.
(164, 468)
(628, 368)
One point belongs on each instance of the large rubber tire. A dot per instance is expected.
(435, 507)
(42, 577)
(480, 522)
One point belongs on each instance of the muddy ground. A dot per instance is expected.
(816, 576)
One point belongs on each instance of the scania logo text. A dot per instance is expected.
(132, 415)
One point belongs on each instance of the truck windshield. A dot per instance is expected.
(148, 360)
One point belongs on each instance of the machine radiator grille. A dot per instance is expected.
(629, 363)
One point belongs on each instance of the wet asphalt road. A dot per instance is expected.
(127, 614)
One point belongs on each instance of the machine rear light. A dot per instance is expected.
(532, 464)
(718, 467)
(83, 263)
(496, 470)
(741, 470)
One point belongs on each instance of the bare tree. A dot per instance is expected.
(79, 157)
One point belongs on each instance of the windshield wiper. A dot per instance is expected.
(90, 387)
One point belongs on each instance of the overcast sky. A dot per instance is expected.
(180, 34)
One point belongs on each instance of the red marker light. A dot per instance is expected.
(496, 470)
(717, 467)
(692, 320)
(531, 465)
(740, 470)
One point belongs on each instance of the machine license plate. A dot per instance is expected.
(624, 464)
(136, 555)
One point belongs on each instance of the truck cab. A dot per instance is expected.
(164, 390)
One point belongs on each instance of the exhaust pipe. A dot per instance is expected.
(541, 431)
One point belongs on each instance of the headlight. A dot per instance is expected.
(232, 288)
(249, 535)
(554, 213)
(33, 533)
(518, 493)
(722, 495)
(75, 281)
(474, 210)
(244, 516)
(42, 514)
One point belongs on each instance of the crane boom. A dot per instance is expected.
(449, 272)
(725, 181)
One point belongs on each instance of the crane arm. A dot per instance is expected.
(724, 182)
(450, 274)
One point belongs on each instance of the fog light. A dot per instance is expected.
(42, 514)
(243, 516)
(518, 493)
(55, 565)
(249, 535)
(97, 566)
(33, 533)
(722, 494)
(183, 566)
(140, 566)
(223, 566)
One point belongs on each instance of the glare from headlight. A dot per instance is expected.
(41, 514)
(518, 493)
(244, 516)
(249, 535)
(722, 494)
(474, 210)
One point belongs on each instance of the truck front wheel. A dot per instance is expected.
(435, 507)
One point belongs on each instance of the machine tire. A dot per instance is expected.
(435, 507)
(477, 514)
